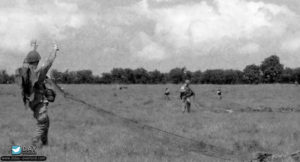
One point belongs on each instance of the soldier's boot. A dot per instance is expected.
(188, 107)
(44, 138)
(183, 108)
(36, 141)
(44, 131)
(41, 137)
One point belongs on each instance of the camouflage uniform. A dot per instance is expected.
(185, 95)
(39, 105)
(36, 100)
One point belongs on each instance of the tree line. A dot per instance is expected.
(269, 71)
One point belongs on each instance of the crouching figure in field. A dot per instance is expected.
(219, 93)
(167, 93)
(36, 95)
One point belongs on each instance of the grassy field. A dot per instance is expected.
(249, 119)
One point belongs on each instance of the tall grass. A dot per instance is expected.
(80, 134)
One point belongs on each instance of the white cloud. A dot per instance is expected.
(163, 0)
(197, 25)
(249, 48)
(166, 32)
(152, 51)
(23, 21)
(145, 48)
(291, 45)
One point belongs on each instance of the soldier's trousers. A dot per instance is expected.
(186, 104)
(43, 123)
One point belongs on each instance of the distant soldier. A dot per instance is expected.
(296, 83)
(35, 94)
(185, 95)
(167, 93)
(219, 93)
(123, 87)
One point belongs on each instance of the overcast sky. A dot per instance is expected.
(154, 34)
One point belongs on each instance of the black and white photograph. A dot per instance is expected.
(150, 80)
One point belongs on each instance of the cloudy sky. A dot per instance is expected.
(154, 34)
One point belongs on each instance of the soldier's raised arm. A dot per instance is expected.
(45, 68)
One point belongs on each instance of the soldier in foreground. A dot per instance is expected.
(36, 95)
(185, 95)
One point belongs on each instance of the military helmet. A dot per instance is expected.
(187, 81)
(32, 56)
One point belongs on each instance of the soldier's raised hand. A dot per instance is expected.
(34, 44)
(55, 47)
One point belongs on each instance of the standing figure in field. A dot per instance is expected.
(167, 93)
(36, 95)
(219, 93)
(185, 95)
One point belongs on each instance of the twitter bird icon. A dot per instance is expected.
(16, 150)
